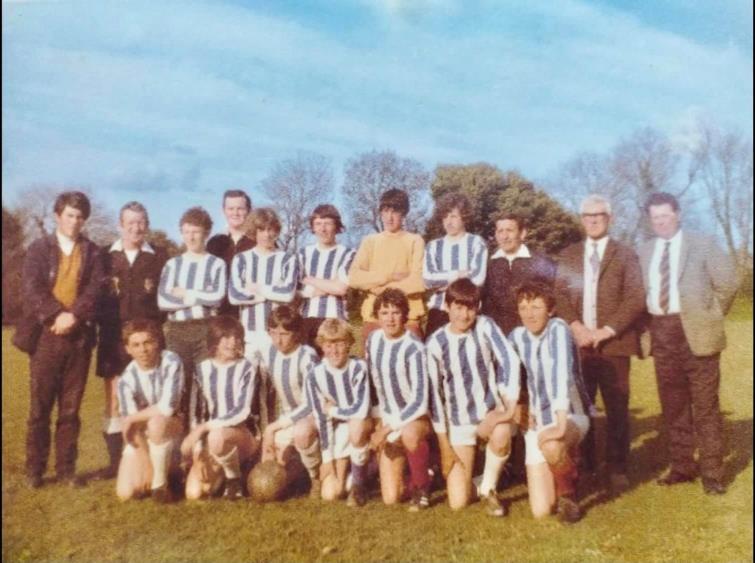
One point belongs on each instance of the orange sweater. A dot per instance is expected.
(66, 288)
(379, 256)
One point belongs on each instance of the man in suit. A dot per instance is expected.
(62, 279)
(690, 284)
(599, 294)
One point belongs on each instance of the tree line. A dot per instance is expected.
(711, 175)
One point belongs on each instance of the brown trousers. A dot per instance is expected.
(59, 369)
(610, 374)
(688, 390)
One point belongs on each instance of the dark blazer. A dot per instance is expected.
(502, 280)
(621, 296)
(130, 290)
(222, 246)
(707, 286)
(40, 306)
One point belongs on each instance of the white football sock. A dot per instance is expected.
(493, 467)
(310, 458)
(111, 425)
(230, 463)
(158, 455)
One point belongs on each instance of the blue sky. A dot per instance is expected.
(172, 103)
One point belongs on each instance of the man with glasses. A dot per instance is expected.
(599, 294)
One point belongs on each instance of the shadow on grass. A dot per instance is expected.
(648, 456)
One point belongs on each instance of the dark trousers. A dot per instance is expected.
(188, 339)
(435, 319)
(688, 390)
(59, 369)
(610, 375)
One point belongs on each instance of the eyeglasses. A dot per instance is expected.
(594, 215)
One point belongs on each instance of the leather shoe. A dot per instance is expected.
(73, 481)
(619, 483)
(674, 478)
(713, 486)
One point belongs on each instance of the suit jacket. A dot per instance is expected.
(620, 298)
(40, 306)
(707, 285)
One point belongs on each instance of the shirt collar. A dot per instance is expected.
(601, 242)
(64, 241)
(676, 239)
(117, 246)
(522, 252)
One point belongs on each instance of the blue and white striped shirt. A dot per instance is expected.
(288, 373)
(227, 392)
(470, 373)
(347, 388)
(203, 278)
(444, 258)
(330, 264)
(161, 386)
(554, 375)
(274, 274)
(398, 370)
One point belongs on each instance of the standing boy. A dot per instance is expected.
(261, 278)
(324, 272)
(391, 258)
(457, 255)
(62, 280)
(474, 373)
(132, 270)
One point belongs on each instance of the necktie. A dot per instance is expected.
(595, 260)
(665, 277)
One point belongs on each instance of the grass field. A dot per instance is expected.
(648, 523)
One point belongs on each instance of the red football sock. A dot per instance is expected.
(418, 463)
(565, 476)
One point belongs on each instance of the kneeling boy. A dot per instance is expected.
(224, 388)
(558, 403)
(398, 370)
(337, 391)
(286, 362)
(474, 373)
(149, 394)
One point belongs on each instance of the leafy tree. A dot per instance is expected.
(13, 258)
(550, 227)
(368, 175)
(482, 183)
(296, 186)
(492, 193)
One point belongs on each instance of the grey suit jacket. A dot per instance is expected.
(707, 285)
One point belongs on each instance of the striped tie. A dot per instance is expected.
(665, 277)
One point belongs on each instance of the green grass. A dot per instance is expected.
(646, 524)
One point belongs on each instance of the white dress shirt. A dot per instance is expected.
(590, 286)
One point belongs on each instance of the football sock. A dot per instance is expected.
(418, 461)
(310, 458)
(493, 466)
(565, 476)
(230, 463)
(359, 465)
(158, 455)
